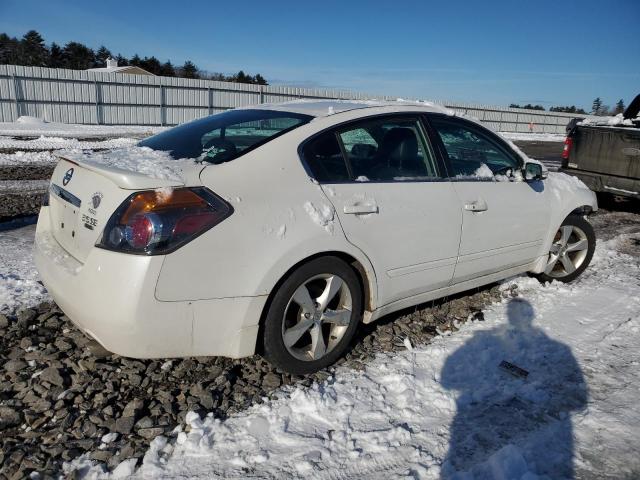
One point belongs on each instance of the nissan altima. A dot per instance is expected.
(290, 224)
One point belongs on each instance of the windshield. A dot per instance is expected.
(223, 137)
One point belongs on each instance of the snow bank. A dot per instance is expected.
(35, 127)
(56, 143)
(22, 158)
(533, 137)
(19, 285)
(447, 410)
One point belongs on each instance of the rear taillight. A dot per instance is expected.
(155, 222)
(566, 151)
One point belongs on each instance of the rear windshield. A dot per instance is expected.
(223, 137)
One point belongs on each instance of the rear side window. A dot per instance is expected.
(324, 159)
(226, 136)
(473, 153)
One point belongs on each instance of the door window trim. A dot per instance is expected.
(500, 143)
(418, 117)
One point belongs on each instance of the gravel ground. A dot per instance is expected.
(61, 393)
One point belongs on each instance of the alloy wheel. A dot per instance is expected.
(568, 251)
(317, 316)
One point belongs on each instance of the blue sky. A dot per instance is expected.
(496, 52)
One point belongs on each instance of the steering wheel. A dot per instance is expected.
(219, 150)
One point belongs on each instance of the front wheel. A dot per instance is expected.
(313, 316)
(571, 250)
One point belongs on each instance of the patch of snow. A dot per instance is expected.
(483, 171)
(22, 158)
(362, 178)
(533, 137)
(615, 121)
(164, 194)
(27, 120)
(35, 127)
(166, 365)
(109, 437)
(19, 285)
(322, 215)
(561, 184)
(56, 143)
(154, 163)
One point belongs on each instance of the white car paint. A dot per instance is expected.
(207, 297)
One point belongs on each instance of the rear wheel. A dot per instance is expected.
(571, 250)
(313, 316)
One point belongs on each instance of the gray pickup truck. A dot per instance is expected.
(605, 154)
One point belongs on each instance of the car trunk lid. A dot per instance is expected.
(84, 194)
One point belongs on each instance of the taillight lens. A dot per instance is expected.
(155, 222)
(566, 151)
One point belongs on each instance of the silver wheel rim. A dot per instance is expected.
(317, 316)
(568, 251)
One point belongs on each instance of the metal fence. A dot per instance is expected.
(77, 96)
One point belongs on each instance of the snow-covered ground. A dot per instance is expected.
(445, 410)
(55, 143)
(35, 127)
(19, 285)
(534, 137)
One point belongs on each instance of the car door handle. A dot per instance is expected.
(477, 206)
(360, 209)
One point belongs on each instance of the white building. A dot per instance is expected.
(112, 67)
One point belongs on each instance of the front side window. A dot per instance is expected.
(471, 152)
(387, 150)
(226, 136)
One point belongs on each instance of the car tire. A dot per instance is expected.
(571, 251)
(329, 312)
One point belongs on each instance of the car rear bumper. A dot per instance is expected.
(604, 183)
(111, 297)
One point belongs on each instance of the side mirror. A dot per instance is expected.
(534, 171)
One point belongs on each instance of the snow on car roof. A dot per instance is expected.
(323, 108)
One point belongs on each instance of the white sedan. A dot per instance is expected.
(293, 223)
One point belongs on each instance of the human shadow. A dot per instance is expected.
(508, 422)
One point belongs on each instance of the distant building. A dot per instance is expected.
(112, 67)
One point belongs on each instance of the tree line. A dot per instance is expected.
(31, 50)
(597, 108)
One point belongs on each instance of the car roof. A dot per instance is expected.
(325, 108)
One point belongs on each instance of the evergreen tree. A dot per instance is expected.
(260, 80)
(33, 50)
(9, 50)
(101, 57)
(136, 61)
(596, 107)
(571, 109)
(122, 61)
(619, 107)
(151, 65)
(56, 58)
(189, 70)
(167, 70)
(78, 56)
